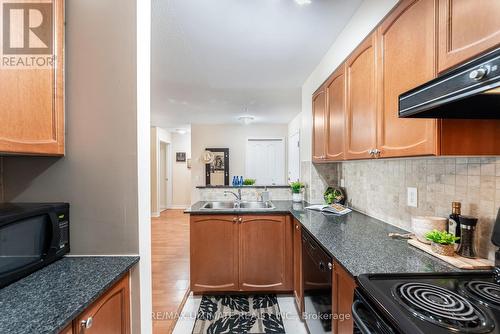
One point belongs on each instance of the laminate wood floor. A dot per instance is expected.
(170, 267)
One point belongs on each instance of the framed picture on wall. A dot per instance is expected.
(180, 156)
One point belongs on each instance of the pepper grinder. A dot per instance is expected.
(467, 246)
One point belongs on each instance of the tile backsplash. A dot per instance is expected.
(379, 189)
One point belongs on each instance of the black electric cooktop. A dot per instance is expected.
(435, 303)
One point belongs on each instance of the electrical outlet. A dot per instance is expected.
(412, 197)
(342, 183)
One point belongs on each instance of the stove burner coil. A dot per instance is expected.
(442, 307)
(486, 293)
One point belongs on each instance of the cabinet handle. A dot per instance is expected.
(296, 227)
(330, 265)
(87, 323)
(235, 220)
(376, 153)
(240, 220)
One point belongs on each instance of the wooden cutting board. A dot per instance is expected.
(456, 261)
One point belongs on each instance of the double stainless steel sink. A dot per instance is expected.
(238, 205)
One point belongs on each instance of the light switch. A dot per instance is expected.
(412, 197)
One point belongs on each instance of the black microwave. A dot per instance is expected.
(32, 235)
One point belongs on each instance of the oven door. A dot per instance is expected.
(24, 244)
(366, 319)
(317, 280)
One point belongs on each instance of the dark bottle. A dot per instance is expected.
(456, 208)
(467, 246)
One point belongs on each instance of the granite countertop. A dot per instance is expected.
(358, 242)
(50, 298)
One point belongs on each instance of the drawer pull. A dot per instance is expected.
(87, 323)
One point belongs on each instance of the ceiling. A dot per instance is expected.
(216, 60)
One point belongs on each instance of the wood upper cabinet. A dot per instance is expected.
(110, 314)
(297, 266)
(214, 253)
(361, 111)
(319, 125)
(343, 294)
(335, 91)
(406, 59)
(466, 29)
(266, 257)
(32, 103)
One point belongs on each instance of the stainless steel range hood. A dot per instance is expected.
(471, 91)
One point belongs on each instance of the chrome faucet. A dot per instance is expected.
(238, 195)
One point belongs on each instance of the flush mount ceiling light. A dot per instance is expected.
(303, 2)
(246, 119)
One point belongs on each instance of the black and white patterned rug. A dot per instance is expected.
(239, 314)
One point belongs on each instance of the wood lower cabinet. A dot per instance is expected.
(110, 314)
(406, 59)
(361, 111)
(335, 90)
(32, 102)
(266, 258)
(298, 289)
(67, 330)
(214, 253)
(241, 253)
(319, 125)
(342, 298)
(466, 29)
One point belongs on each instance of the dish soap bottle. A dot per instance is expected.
(454, 222)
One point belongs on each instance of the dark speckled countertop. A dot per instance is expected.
(360, 243)
(49, 299)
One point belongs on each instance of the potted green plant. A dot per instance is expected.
(297, 188)
(442, 242)
(249, 182)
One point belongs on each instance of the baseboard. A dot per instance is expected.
(155, 214)
(178, 207)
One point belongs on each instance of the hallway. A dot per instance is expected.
(170, 266)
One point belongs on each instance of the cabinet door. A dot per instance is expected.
(406, 59)
(68, 329)
(335, 90)
(466, 29)
(110, 314)
(361, 115)
(32, 101)
(343, 294)
(319, 125)
(266, 253)
(297, 266)
(214, 253)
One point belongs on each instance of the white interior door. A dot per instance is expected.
(265, 161)
(294, 157)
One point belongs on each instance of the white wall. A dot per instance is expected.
(233, 137)
(181, 175)
(101, 175)
(364, 20)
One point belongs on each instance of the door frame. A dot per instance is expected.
(158, 175)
